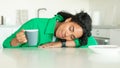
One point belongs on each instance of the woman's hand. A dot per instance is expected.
(21, 38)
(51, 45)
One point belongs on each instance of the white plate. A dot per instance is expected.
(103, 49)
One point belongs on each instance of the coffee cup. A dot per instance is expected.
(32, 37)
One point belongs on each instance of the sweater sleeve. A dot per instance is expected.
(7, 41)
(91, 42)
(77, 43)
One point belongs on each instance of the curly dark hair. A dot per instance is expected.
(82, 19)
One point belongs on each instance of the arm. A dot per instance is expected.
(19, 39)
(91, 42)
(12, 41)
(58, 44)
(7, 42)
(75, 43)
(70, 44)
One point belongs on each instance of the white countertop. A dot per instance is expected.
(56, 58)
(106, 27)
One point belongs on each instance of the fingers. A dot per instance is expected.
(21, 37)
(51, 45)
(22, 31)
(48, 46)
(43, 46)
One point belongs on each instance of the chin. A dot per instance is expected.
(59, 37)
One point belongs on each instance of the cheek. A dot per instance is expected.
(57, 33)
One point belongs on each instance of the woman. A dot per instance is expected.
(69, 31)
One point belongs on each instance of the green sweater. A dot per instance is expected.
(46, 27)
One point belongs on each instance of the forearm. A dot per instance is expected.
(70, 44)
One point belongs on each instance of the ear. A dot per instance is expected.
(68, 20)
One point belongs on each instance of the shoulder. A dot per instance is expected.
(90, 37)
(36, 20)
(92, 40)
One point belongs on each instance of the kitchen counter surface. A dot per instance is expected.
(107, 27)
(56, 58)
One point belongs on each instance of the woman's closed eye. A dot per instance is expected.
(71, 28)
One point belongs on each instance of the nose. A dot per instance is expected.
(67, 34)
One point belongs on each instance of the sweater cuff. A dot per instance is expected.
(77, 43)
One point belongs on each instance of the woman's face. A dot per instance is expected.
(69, 30)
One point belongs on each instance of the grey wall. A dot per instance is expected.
(109, 11)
